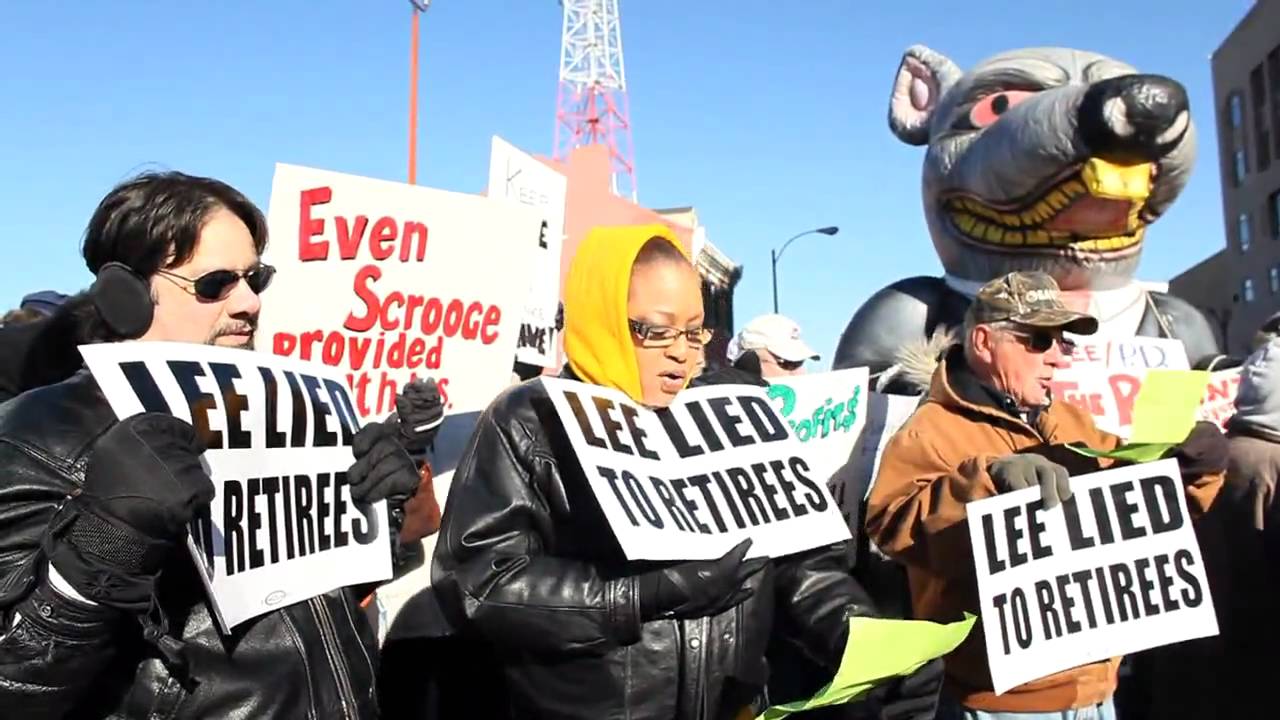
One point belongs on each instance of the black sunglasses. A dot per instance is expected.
(217, 284)
(1039, 341)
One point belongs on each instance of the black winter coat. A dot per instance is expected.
(527, 564)
(61, 658)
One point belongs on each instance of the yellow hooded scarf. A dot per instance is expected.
(597, 332)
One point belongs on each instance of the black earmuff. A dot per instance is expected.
(123, 300)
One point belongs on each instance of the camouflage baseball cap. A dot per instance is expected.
(1027, 298)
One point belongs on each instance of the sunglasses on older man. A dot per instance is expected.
(1040, 340)
(217, 284)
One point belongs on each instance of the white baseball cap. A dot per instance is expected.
(778, 334)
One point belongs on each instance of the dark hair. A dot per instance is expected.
(659, 249)
(20, 316)
(144, 219)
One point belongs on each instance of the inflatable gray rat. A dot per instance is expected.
(1047, 159)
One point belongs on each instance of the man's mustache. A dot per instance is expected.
(240, 328)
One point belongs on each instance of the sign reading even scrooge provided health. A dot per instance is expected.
(1114, 570)
(391, 282)
(518, 177)
(690, 481)
(282, 527)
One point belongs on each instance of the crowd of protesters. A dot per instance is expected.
(104, 616)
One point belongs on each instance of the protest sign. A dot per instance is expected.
(1166, 406)
(690, 481)
(1106, 374)
(282, 527)
(1131, 353)
(1220, 397)
(827, 414)
(851, 485)
(390, 282)
(518, 177)
(1114, 570)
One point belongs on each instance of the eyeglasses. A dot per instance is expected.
(217, 284)
(1039, 341)
(665, 335)
(788, 365)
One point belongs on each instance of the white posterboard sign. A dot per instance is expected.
(518, 177)
(282, 527)
(1106, 374)
(390, 282)
(691, 481)
(827, 413)
(1115, 570)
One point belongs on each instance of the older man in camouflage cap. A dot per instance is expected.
(990, 425)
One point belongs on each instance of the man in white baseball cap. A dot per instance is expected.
(775, 340)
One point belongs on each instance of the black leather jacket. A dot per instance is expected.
(526, 563)
(61, 658)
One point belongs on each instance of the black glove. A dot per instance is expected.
(1203, 452)
(1017, 472)
(383, 469)
(700, 588)
(914, 697)
(419, 412)
(143, 485)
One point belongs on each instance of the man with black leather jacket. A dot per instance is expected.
(102, 614)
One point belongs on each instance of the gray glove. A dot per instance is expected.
(1017, 472)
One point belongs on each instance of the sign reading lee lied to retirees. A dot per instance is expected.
(693, 480)
(282, 527)
(1115, 570)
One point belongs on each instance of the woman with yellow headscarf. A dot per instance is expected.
(527, 567)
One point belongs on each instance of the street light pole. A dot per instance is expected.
(776, 255)
(419, 7)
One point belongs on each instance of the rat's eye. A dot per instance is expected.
(990, 108)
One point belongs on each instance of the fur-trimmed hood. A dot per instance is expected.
(915, 362)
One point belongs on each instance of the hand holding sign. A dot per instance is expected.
(419, 413)
(700, 588)
(1115, 570)
(383, 469)
(284, 523)
(143, 485)
(1019, 472)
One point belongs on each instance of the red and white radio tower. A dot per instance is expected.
(591, 104)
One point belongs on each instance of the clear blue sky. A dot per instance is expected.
(767, 116)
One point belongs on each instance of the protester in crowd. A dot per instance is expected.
(36, 306)
(103, 612)
(1267, 332)
(989, 425)
(20, 316)
(1244, 568)
(526, 565)
(44, 303)
(775, 343)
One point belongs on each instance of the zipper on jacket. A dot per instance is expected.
(329, 631)
(306, 664)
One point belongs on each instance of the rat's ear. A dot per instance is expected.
(923, 77)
